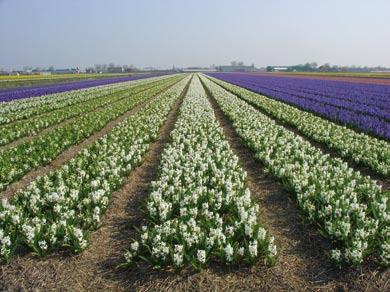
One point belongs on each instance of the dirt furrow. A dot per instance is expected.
(70, 152)
(95, 268)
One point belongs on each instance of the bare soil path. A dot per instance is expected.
(95, 268)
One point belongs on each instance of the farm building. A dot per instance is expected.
(67, 71)
(278, 68)
(236, 68)
(117, 69)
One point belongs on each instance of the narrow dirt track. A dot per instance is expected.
(69, 153)
(95, 268)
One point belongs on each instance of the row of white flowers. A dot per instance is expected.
(25, 108)
(359, 147)
(17, 161)
(200, 208)
(60, 210)
(347, 207)
(32, 125)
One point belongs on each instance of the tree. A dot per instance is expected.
(325, 67)
(98, 68)
(90, 70)
(307, 67)
(313, 65)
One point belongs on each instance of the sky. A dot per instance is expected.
(163, 33)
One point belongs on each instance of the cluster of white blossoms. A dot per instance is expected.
(5, 244)
(200, 207)
(32, 125)
(24, 108)
(61, 209)
(44, 148)
(351, 209)
(360, 147)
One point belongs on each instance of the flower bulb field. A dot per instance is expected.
(25, 92)
(192, 181)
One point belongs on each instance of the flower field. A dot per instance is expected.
(41, 149)
(200, 207)
(58, 210)
(362, 106)
(36, 121)
(351, 209)
(26, 92)
(151, 181)
(12, 81)
(360, 147)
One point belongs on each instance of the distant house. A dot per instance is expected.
(90, 70)
(115, 69)
(149, 69)
(198, 69)
(66, 71)
(236, 68)
(278, 68)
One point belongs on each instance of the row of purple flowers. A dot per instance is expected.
(362, 106)
(26, 92)
(369, 109)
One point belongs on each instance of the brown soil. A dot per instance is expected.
(96, 268)
(69, 153)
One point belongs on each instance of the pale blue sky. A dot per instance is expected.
(193, 33)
